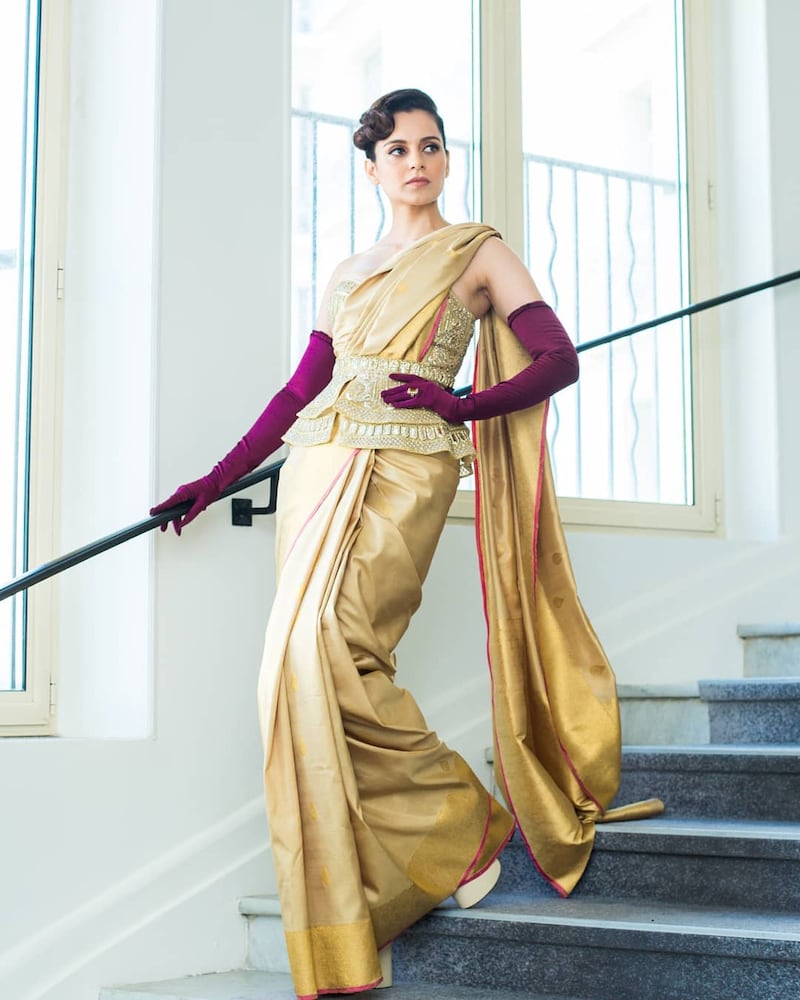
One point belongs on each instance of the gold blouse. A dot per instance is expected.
(350, 411)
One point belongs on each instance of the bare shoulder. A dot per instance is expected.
(347, 269)
(495, 256)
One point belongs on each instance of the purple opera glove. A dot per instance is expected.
(554, 366)
(309, 379)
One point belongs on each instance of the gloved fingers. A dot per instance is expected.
(398, 394)
(408, 403)
(179, 496)
(197, 507)
(183, 494)
(415, 391)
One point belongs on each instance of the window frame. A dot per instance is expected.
(502, 198)
(32, 711)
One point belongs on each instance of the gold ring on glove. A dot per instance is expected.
(411, 391)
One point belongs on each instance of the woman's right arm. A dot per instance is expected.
(265, 436)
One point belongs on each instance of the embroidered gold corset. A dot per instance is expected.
(350, 410)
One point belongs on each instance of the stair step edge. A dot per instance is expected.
(756, 934)
(586, 911)
(246, 984)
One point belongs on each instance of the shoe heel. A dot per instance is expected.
(473, 892)
(385, 958)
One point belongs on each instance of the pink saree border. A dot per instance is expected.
(348, 461)
(435, 328)
(482, 570)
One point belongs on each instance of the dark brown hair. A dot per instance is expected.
(377, 122)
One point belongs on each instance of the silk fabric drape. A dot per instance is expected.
(374, 821)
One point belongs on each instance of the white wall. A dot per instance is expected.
(130, 853)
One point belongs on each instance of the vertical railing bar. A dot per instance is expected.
(314, 207)
(578, 412)
(631, 347)
(352, 155)
(655, 333)
(609, 314)
(527, 210)
(551, 279)
(554, 235)
(382, 215)
(467, 182)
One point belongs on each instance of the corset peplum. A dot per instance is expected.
(350, 411)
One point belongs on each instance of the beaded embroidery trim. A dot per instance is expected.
(350, 407)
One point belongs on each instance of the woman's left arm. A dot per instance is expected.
(500, 280)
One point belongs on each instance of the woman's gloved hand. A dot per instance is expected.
(309, 379)
(417, 391)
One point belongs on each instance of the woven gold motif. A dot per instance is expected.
(339, 295)
(351, 411)
(452, 338)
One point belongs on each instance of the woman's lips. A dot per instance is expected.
(417, 180)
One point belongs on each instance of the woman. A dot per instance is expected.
(374, 821)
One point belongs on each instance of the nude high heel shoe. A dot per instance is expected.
(473, 892)
(385, 958)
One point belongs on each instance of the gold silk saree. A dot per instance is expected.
(374, 821)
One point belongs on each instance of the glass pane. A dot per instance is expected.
(345, 54)
(18, 85)
(606, 239)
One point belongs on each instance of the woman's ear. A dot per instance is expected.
(371, 171)
(447, 163)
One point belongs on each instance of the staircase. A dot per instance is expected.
(700, 904)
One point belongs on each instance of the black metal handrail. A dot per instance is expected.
(46, 570)
(272, 472)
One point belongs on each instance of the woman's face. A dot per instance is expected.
(411, 164)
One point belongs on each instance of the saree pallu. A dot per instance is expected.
(374, 820)
(557, 734)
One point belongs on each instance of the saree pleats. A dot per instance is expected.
(374, 820)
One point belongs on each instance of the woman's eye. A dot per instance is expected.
(396, 149)
(432, 147)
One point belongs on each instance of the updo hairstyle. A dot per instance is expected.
(377, 122)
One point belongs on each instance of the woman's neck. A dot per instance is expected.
(410, 226)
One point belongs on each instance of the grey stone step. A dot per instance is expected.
(662, 714)
(251, 985)
(726, 782)
(747, 866)
(771, 650)
(753, 710)
(606, 950)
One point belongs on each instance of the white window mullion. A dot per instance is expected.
(501, 120)
(500, 144)
(31, 711)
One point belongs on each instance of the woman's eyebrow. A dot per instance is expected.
(426, 138)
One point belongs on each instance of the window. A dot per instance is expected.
(18, 84)
(346, 53)
(585, 168)
(32, 39)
